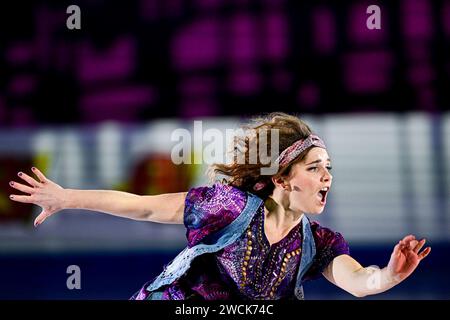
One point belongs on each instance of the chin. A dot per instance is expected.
(317, 211)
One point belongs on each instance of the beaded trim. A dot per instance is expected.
(247, 257)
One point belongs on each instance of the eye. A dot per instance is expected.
(312, 169)
(329, 168)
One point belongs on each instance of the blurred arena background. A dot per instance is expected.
(95, 108)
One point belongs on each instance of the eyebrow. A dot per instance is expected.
(318, 161)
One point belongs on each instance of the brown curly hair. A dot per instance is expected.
(245, 175)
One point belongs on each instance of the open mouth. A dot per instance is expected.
(322, 195)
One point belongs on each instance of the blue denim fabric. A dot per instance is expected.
(226, 236)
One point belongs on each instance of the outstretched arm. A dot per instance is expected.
(348, 274)
(164, 208)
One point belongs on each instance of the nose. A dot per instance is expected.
(327, 177)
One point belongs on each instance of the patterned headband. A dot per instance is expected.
(292, 152)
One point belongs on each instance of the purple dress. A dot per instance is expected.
(250, 268)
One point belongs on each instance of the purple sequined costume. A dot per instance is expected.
(249, 268)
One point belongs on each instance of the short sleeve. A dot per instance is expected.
(329, 245)
(211, 208)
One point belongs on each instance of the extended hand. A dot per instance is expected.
(42, 192)
(406, 257)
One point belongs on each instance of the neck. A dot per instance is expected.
(279, 214)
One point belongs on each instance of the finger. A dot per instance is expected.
(412, 244)
(420, 245)
(39, 174)
(28, 179)
(21, 198)
(397, 250)
(41, 217)
(424, 253)
(21, 187)
(408, 238)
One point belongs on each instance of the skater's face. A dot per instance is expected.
(309, 181)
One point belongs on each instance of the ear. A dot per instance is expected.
(280, 182)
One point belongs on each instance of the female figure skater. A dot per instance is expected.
(248, 236)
